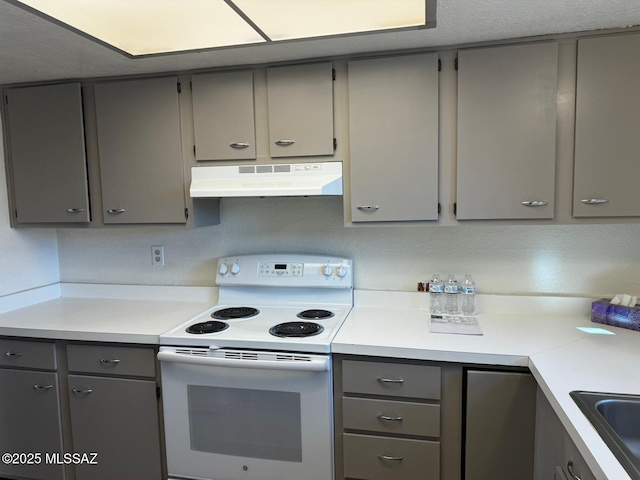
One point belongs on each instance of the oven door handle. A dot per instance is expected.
(312, 365)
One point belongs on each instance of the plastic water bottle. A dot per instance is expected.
(468, 296)
(451, 296)
(436, 294)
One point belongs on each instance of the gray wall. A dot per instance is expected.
(590, 260)
(28, 258)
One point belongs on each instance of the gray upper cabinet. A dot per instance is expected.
(607, 163)
(393, 125)
(47, 151)
(223, 116)
(139, 143)
(300, 103)
(507, 132)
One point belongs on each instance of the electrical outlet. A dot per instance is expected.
(157, 256)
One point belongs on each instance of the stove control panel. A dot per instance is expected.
(271, 269)
(285, 270)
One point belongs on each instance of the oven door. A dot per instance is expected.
(247, 415)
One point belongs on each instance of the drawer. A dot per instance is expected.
(27, 354)
(381, 458)
(391, 417)
(112, 360)
(391, 379)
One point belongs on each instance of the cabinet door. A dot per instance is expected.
(393, 125)
(30, 422)
(46, 139)
(607, 166)
(507, 132)
(500, 425)
(223, 116)
(118, 419)
(140, 151)
(300, 110)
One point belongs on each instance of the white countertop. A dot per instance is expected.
(108, 313)
(539, 333)
(535, 332)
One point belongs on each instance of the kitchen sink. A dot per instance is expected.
(616, 418)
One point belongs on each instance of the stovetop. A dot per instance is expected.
(254, 333)
(265, 298)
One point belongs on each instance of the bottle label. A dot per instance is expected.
(451, 289)
(468, 290)
(436, 288)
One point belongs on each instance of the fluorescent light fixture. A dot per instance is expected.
(148, 27)
(289, 19)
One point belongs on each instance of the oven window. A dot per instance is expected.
(245, 423)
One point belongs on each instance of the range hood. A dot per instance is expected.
(280, 180)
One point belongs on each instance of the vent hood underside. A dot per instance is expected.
(281, 180)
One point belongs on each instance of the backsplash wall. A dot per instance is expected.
(589, 260)
(28, 257)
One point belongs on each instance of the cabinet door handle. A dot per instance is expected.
(42, 387)
(389, 419)
(13, 354)
(239, 145)
(109, 361)
(391, 380)
(75, 210)
(79, 391)
(284, 143)
(594, 201)
(571, 472)
(535, 203)
(115, 211)
(390, 458)
(368, 207)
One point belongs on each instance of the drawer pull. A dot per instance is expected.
(42, 387)
(79, 391)
(109, 361)
(594, 201)
(386, 418)
(284, 143)
(389, 458)
(116, 211)
(13, 354)
(75, 210)
(391, 380)
(571, 472)
(368, 208)
(535, 203)
(239, 145)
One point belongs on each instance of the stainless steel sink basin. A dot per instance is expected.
(616, 418)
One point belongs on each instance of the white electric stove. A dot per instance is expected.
(247, 387)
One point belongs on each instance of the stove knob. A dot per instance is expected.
(235, 268)
(327, 270)
(342, 271)
(223, 269)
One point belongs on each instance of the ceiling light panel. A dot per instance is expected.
(143, 27)
(290, 19)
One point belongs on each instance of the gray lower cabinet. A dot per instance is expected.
(506, 163)
(393, 138)
(30, 414)
(606, 165)
(396, 420)
(300, 99)
(556, 456)
(223, 116)
(499, 425)
(140, 149)
(45, 137)
(117, 418)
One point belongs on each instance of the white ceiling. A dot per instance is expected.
(32, 49)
